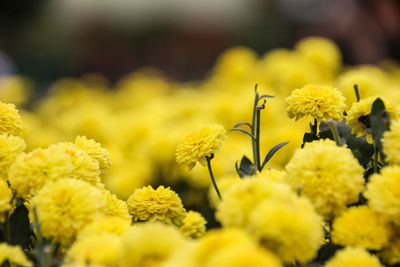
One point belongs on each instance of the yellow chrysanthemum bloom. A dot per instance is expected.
(116, 207)
(65, 206)
(105, 225)
(357, 116)
(149, 244)
(391, 143)
(10, 147)
(317, 101)
(85, 167)
(327, 174)
(194, 224)
(242, 197)
(383, 193)
(10, 119)
(95, 150)
(14, 255)
(290, 229)
(32, 170)
(104, 249)
(224, 183)
(15, 89)
(5, 199)
(353, 257)
(161, 204)
(199, 144)
(361, 227)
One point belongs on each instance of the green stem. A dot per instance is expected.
(357, 92)
(334, 131)
(257, 160)
(375, 159)
(253, 126)
(212, 175)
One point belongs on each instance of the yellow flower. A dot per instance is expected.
(15, 89)
(357, 117)
(327, 174)
(242, 197)
(32, 170)
(105, 225)
(116, 207)
(5, 199)
(291, 229)
(224, 183)
(194, 224)
(10, 120)
(318, 101)
(162, 204)
(65, 206)
(199, 144)
(14, 255)
(10, 147)
(353, 257)
(383, 193)
(101, 249)
(149, 244)
(85, 167)
(391, 143)
(361, 227)
(94, 149)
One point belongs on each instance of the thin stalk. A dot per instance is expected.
(375, 159)
(334, 132)
(254, 146)
(257, 160)
(357, 92)
(212, 175)
(7, 228)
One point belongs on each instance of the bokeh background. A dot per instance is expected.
(47, 40)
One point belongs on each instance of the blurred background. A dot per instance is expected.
(46, 40)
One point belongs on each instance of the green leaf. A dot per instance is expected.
(247, 168)
(379, 123)
(20, 230)
(244, 131)
(307, 138)
(5, 263)
(327, 251)
(243, 123)
(272, 152)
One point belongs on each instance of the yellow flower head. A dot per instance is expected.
(383, 193)
(10, 120)
(318, 101)
(116, 207)
(94, 149)
(361, 227)
(327, 174)
(14, 255)
(194, 225)
(353, 257)
(65, 206)
(149, 244)
(85, 167)
(32, 170)
(290, 229)
(5, 199)
(242, 197)
(105, 225)
(224, 183)
(391, 143)
(161, 204)
(199, 144)
(357, 116)
(10, 147)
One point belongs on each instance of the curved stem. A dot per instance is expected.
(334, 132)
(212, 175)
(257, 159)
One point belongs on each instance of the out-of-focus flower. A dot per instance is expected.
(10, 147)
(391, 143)
(15, 89)
(353, 257)
(5, 199)
(115, 206)
(161, 204)
(199, 144)
(10, 119)
(14, 255)
(194, 224)
(105, 225)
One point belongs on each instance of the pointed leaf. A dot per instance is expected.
(5, 263)
(247, 168)
(266, 96)
(243, 123)
(272, 152)
(244, 131)
(20, 230)
(379, 119)
(237, 169)
(327, 251)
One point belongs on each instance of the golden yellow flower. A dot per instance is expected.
(224, 183)
(199, 144)
(149, 244)
(357, 116)
(105, 225)
(15, 89)
(95, 150)
(391, 143)
(361, 227)
(5, 199)
(65, 206)
(291, 229)
(32, 170)
(383, 193)
(327, 174)
(317, 101)
(11, 122)
(116, 207)
(194, 224)
(353, 257)
(161, 204)
(10, 147)
(104, 249)
(14, 255)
